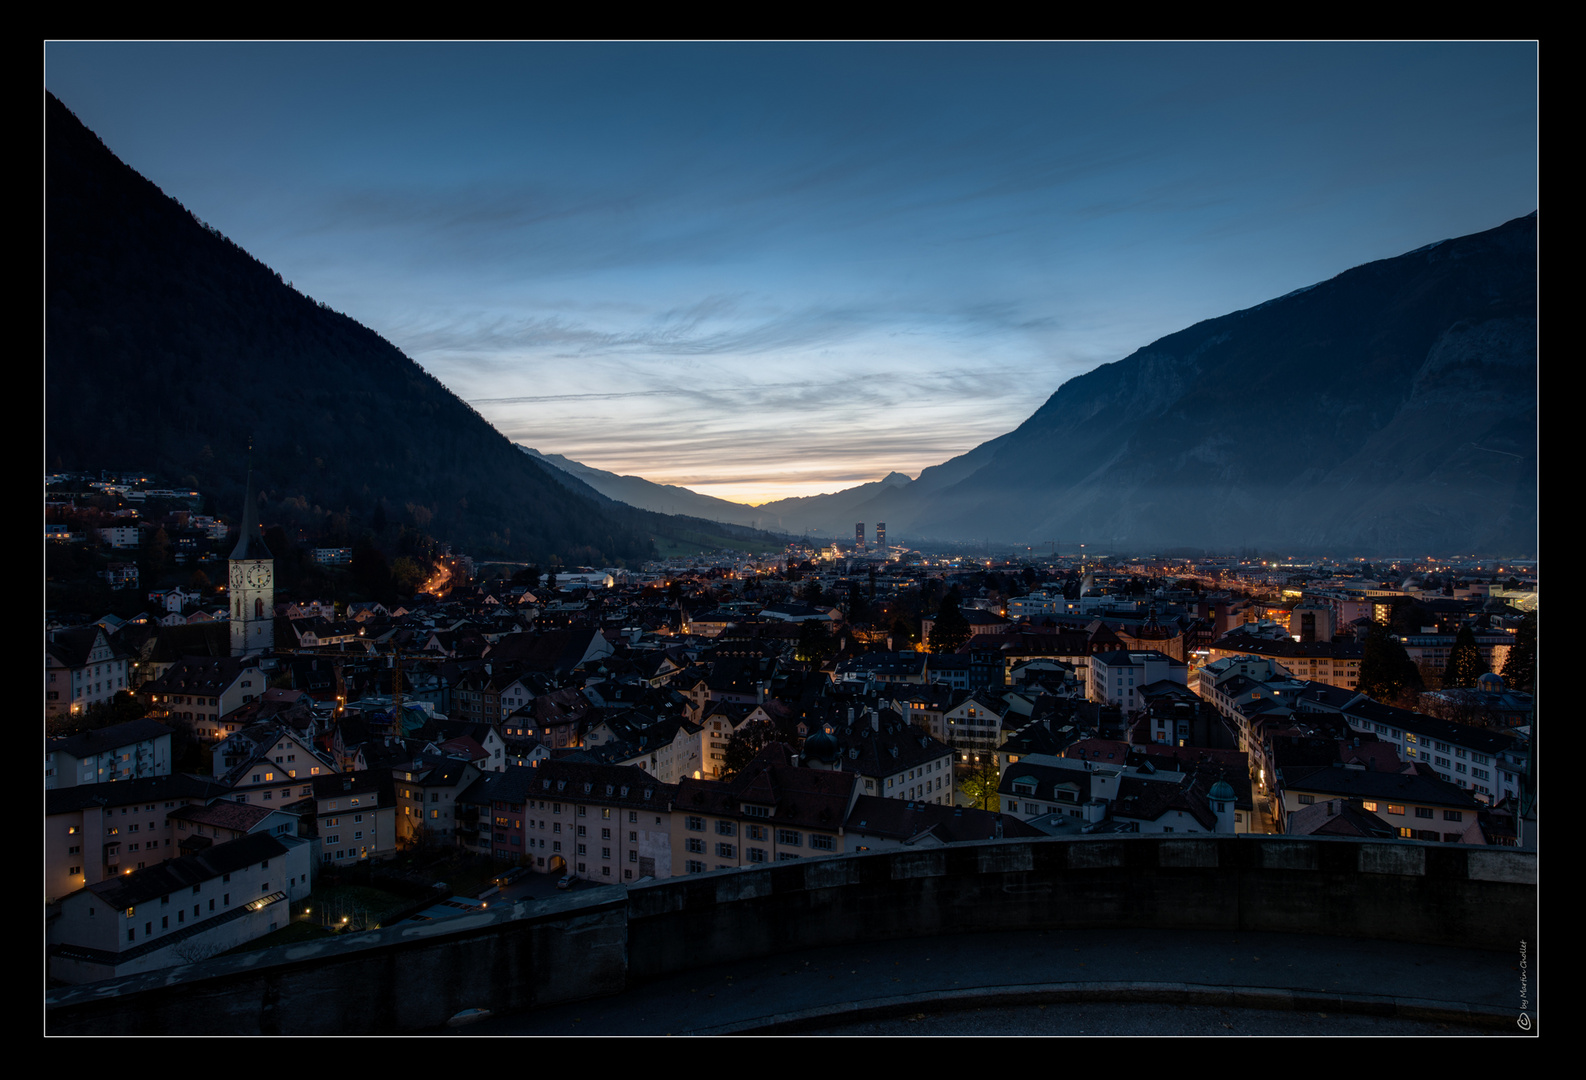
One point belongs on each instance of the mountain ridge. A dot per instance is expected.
(172, 350)
(1351, 361)
(1389, 408)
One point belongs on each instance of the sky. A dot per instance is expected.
(766, 270)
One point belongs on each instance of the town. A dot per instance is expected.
(270, 741)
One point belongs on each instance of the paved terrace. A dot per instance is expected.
(1055, 982)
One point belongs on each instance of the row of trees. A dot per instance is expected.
(1388, 674)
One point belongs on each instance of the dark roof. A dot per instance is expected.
(886, 748)
(1474, 738)
(162, 879)
(354, 783)
(1339, 817)
(1144, 799)
(572, 781)
(900, 819)
(808, 798)
(1368, 784)
(146, 789)
(88, 743)
(70, 646)
(203, 675)
(225, 814)
(1046, 779)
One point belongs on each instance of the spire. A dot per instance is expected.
(250, 542)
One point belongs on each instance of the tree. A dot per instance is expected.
(981, 783)
(858, 607)
(1464, 661)
(155, 558)
(370, 572)
(744, 744)
(951, 629)
(1408, 616)
(1519, 667)
(406, 574)
(1386, 670)
(814, 642)
(903, 636)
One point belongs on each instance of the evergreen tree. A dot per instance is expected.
(1464, 661)
(858, 608)
(814, 641)
(1386, 670)
(951, 629)
(1519, 668)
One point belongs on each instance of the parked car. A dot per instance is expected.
(567, 879)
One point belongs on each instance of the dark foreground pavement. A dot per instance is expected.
(1071, 982)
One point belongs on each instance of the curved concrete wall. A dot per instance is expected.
(594, 943)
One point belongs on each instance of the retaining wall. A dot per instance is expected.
(597, 942)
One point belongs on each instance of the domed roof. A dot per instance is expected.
(822, 747)
(1491, 683)
(1222, 791)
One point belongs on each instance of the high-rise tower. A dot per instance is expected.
(859, 535)
(881, 535)
(252, 585)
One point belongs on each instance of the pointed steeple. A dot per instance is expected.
(250, 541)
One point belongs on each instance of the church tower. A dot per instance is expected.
(252, 586)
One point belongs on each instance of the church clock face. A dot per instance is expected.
(258, 576)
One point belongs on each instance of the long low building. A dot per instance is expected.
(180, 911)
(1418, 807)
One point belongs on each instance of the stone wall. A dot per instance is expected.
(597, 942)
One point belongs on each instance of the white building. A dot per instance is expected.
(81, 668)
(137, 748)
(120, 536)
(179, 911)
(1116, 678)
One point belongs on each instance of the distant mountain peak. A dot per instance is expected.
(1391, 409)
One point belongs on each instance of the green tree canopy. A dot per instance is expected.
(980, 786)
